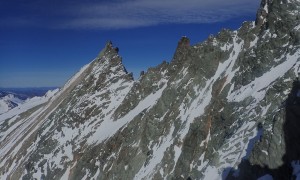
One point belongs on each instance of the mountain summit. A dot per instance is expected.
(226, 108)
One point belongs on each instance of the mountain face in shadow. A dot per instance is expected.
(291, 128)
(289, 116)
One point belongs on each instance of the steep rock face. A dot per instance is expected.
(277, 153)
(215, 105)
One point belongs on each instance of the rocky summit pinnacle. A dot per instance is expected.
(109, 48)
(182, 48)
(225, 108)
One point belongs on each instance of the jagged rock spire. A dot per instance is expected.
(184, 42)
(182, 47)
(262, 13)
(109, 48)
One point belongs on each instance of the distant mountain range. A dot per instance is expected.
(24, 93)
(13, 97)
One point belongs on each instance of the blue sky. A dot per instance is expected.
(43, 43)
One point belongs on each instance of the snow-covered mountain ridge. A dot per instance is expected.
(223, 108)
(9, 102)
(12, 97)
